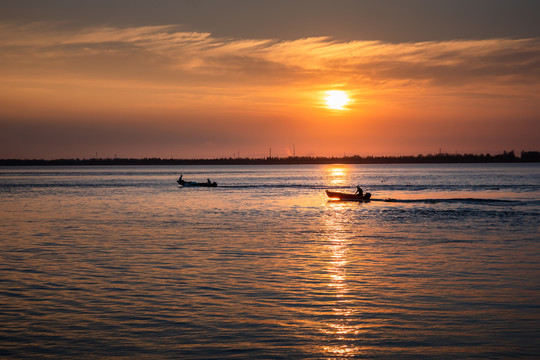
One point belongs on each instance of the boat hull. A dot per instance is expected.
(193, 183)
(348, 197)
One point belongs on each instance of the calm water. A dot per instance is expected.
(120, 262)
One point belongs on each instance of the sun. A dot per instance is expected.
(336, 99)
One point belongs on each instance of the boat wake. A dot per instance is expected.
(375, 191)
(453, 201)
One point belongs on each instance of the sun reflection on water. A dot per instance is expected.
(342, 328)
(337, 175)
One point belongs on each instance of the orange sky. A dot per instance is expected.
(159, 90)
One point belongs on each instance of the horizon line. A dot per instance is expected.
(506, 156)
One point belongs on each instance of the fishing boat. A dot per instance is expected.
(348, 197)
(194, 183)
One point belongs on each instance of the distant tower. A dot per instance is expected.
(293, 150)
(270, 153)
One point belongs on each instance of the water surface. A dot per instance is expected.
(121, 262)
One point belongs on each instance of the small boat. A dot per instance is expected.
(194, 183)
(349, 197)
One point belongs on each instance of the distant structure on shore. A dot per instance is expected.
(506, 157)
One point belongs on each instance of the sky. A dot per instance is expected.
(239, 78)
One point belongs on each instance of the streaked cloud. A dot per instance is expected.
(457, 62)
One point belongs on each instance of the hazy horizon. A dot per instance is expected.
(269, 155)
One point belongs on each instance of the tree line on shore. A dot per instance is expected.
(505, 157)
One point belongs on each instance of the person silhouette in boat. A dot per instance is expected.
(208, 181)
(359, 191)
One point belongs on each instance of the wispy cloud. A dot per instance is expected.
(199, 57)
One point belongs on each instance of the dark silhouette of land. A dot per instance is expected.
(506, 157)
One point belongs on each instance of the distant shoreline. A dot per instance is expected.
(506, 157)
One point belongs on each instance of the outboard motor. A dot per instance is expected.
(367, 196)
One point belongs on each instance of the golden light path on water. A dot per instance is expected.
(342, 328)
(337, 176)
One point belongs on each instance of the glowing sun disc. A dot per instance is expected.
(336, 99)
